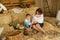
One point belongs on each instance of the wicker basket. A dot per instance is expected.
(17, 35)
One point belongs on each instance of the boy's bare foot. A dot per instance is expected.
(28, 29)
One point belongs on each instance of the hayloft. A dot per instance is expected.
(13, 14)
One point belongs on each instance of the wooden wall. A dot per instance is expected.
(30, 1)
(11, 3)
(54, 6)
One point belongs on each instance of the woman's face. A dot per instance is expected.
(37, 13)
(28, 17)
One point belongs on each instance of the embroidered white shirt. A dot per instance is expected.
(38, 18)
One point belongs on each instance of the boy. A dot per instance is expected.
(27, 24)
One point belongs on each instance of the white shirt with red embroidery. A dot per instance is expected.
(38, 18)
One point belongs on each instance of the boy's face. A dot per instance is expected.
(28, 17)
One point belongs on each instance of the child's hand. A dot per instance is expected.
(35, 22)
(31, 22)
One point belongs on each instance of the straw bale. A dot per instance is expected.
(48, 27)
(21, 16)
(16, 35)
(17, 17)
(13, 15)
(7, 29)
(5, 18)
(51, 20)
(30, 11)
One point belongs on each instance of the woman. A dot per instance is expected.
(38, 20)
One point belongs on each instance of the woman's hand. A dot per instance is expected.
(34, 22)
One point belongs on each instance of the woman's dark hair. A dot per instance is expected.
(27, 14)
(39, 10)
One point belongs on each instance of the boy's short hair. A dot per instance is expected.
(27, 14)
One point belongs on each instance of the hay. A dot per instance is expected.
(29, 1)
(51, 20)
(15, 35)
(5, 18)
(21, 16)
(31, 39)
(7, 29)
(52, 33)
(31, 10)
(25, 11)
(17, 17)
(48, 26)
(13, 15)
